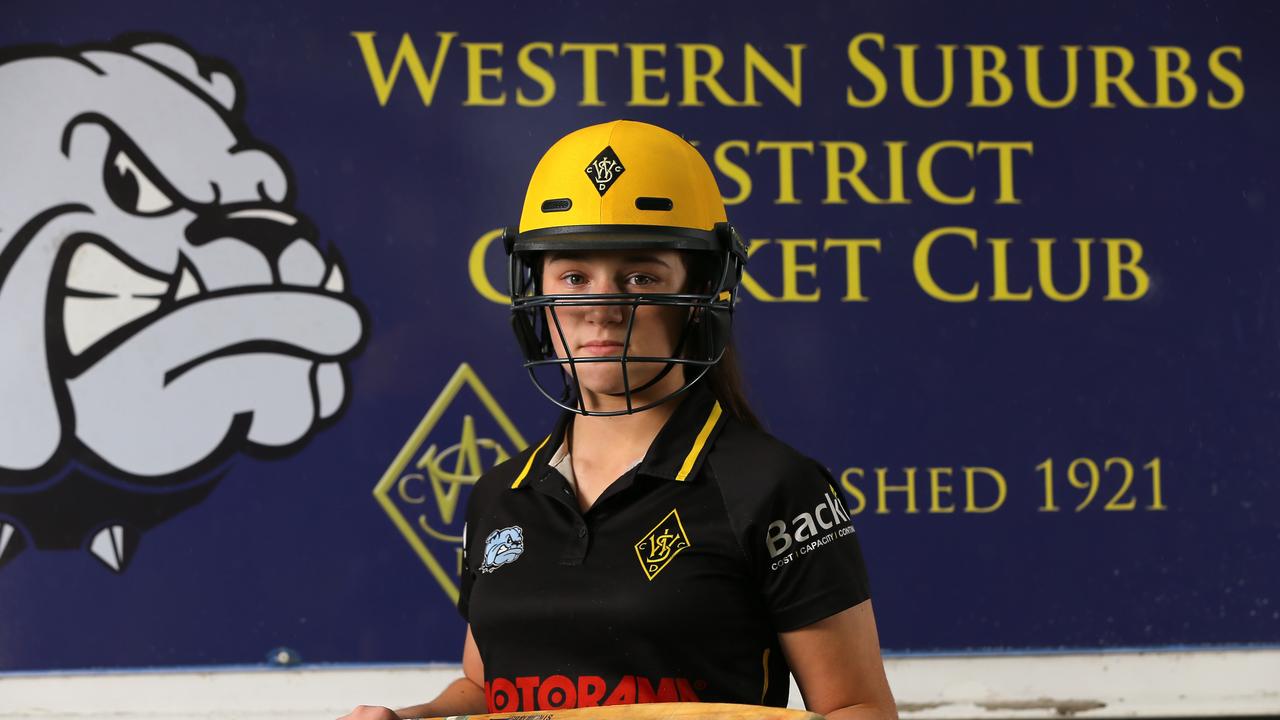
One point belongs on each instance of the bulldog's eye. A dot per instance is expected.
(131, 189)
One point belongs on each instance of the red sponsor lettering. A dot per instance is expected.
(624, 693)
(591, 689)
(500, 694)
(527, 684)
(686, 689)
(666, 691)
(556, 692)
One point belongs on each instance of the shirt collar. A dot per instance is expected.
(677, 453)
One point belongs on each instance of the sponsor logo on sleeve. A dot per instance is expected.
(808, 531)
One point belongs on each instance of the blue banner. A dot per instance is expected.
(1013, 279)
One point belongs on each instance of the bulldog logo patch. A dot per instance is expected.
(604, 170)
(502, 547)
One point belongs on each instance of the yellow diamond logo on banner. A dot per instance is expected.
(422, 489)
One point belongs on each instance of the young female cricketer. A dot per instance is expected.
(657, 545)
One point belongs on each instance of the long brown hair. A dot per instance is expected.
(725, 377)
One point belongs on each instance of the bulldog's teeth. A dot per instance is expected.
(85, 321)
(265, 214)
(187, 285)
(11, 543)
(335, 282)
(114, 546)
(95, 270)
(118, 295)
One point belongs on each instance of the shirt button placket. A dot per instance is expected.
(576, 551)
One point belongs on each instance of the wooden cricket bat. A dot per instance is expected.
(653, 711)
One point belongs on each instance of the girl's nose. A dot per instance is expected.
(606, 314)
(607, 284)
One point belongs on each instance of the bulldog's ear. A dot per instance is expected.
(217, 85)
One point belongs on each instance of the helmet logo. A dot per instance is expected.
(604, 169)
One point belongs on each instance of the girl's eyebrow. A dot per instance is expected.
(646, 259)
(555, 255)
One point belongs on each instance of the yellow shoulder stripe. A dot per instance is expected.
(529, 464)
(701, 440)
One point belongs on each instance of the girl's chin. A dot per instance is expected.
(610, 382)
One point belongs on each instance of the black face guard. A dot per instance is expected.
(702, 340)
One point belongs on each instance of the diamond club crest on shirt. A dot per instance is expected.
(604, 169)
(662, 544)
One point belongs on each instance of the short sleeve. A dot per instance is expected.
(485, 497)
(468, 576)
(805, 551)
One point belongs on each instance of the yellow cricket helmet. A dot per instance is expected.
(624, 185)
(621, 173)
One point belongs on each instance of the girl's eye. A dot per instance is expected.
(641, 280)
(573, 278)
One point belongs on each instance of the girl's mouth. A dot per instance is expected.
(600, 348)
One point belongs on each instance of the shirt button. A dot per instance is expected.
(582, 531)
(566, 491)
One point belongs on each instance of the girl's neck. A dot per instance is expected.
(620, 437)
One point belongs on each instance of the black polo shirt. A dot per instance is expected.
(672, 587)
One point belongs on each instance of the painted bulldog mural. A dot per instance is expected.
(164, 305)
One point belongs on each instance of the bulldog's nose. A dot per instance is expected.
(268, 229)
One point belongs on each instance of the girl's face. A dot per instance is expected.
(600, 330)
